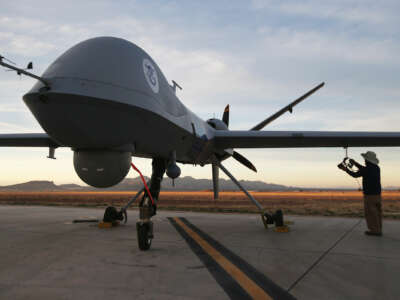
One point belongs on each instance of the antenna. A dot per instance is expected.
(28, 67)
(175, 85)
(10, 61)
(22, 71)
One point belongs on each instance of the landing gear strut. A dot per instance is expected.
(148, 208)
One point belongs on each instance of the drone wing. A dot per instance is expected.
(27, 140)
(304, 139)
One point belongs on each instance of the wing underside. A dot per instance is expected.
(304, 139)
(27, 140)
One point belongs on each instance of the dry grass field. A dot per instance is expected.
(327, 203)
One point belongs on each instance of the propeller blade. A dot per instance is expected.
(225, 116)
(244, 161)
(286, 108)
(215, 177)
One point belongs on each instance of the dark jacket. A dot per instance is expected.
(371, 177)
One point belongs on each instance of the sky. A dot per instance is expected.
(255, 55)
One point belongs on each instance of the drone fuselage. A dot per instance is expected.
(108, 93)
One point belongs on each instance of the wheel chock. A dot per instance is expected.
(104, 225)
(282, 229)
(277, 219)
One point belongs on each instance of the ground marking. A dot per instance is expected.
(232, 265)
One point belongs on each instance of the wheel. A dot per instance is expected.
(144, 235)
(269, 219)
(111, 215)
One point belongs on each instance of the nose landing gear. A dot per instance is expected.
(147, 206)
(144, 227)
(144, 234)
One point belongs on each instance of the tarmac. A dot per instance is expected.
(43, 255)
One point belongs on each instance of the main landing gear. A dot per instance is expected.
(266, 218)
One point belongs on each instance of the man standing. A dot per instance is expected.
(371, 181)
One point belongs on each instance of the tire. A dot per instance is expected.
(143, 236)
(110, 215)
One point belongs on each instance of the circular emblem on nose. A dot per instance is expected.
(150, 74)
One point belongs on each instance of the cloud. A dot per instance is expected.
(250, 80)
(17, 24)
(24, 36)
(256, 58)
(12, 108)
(367, 11)
(314, 46)
(14, 128)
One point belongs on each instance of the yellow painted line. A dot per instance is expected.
(244, 281)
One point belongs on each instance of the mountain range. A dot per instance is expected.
(186, 183)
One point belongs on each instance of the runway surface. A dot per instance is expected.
(43, 255)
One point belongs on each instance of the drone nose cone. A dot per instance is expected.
(80, 122)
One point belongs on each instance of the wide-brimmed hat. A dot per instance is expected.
(371, 157)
